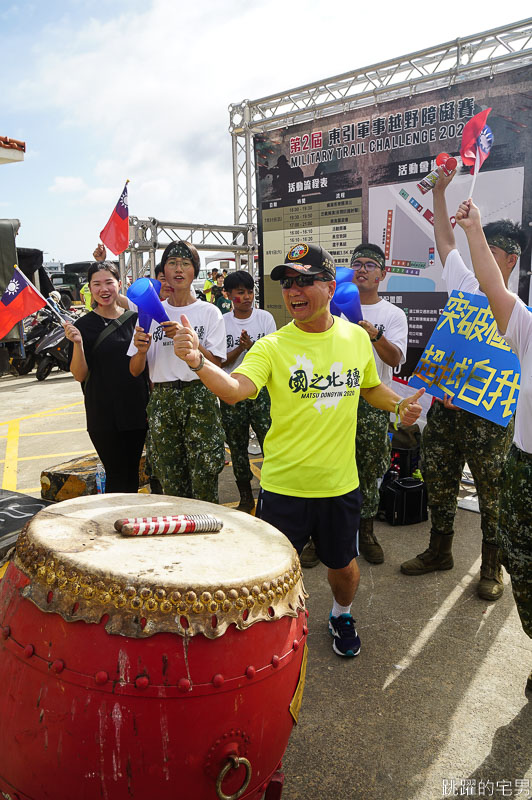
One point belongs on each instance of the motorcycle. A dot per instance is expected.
(39, 326)
(53, 350)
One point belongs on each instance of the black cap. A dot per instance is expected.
(309, 259)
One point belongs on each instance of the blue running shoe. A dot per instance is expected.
(346, 641)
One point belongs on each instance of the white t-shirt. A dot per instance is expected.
(519, 337)
(393, 323)
(458, 277)
(259, 324)
(163, 363)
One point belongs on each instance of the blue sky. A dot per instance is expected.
(104, 91)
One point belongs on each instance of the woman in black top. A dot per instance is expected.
(115, 401)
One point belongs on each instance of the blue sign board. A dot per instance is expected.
(468, 360)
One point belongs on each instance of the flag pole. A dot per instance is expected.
(55, 311)
(475, 173)
(45, 299)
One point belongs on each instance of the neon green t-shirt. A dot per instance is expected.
(85, 292)
(207, 289)
(314, 382)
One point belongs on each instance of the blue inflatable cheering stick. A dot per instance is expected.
(346, 299)
(144, 292)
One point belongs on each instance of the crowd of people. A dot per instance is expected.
(318, 393)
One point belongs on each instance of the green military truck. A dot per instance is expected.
(69, 281)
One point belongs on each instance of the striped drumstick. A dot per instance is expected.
(166, 518)
(180, 523)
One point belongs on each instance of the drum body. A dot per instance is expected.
(106, 694)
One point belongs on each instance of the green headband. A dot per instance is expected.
(367, 252)
(505, 243)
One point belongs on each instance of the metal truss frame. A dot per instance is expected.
(146, 236)
(483, 54)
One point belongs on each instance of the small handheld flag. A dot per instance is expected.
(477, 140)
(20, 299)
(115, 235)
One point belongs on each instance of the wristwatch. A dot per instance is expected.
(378, 336)
(200, 365)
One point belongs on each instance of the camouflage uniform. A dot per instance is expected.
(515, 530)
(187, 440)
(236, 421)
(450, 438)
(155, 484)
(373, 449)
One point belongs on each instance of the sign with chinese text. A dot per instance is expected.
(469, 361)
(350, 177)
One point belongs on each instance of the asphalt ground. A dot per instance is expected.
(434, 706)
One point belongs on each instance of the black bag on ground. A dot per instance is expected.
(405, 501)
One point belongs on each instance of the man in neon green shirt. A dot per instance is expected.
(315, 369)
(85, 293)
(209, 285)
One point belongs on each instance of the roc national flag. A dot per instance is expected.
(477, 140)
(115, 235)
(20, 299)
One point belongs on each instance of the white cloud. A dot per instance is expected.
(144, 95)
(62, 185)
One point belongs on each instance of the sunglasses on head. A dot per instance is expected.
(302, 280)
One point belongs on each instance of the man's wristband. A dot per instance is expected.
(397, 415)
(378, 336)
(200, 365)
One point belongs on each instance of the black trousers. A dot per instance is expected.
(120, 453)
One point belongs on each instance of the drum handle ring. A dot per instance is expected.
(234, 763)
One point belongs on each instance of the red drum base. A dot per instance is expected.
(86, 715)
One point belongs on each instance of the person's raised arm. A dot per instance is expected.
(489, 276)
(443, 230)
(229, 388)
(100, 254)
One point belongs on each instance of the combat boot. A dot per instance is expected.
(490, 585)
(437, 556)
(309, 557)
(247, 501)
(368, 544)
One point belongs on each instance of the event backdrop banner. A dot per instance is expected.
(352, 177)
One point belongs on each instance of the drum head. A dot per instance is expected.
(80, 567)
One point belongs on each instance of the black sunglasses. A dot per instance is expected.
(303, 280)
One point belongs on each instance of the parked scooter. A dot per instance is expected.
(53, 349)
(42, 322)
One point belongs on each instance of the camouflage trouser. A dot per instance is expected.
(515, 530)
(155, 484)
(373, 448)
(450, 438)
(236, 421)
(187, 440)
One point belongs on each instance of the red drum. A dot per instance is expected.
(160, 667)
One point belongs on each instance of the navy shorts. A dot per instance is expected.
(331, 521)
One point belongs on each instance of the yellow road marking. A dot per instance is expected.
(45, 455)
(9, 481)
(49, 433)
(52, 411)
(31, 489)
